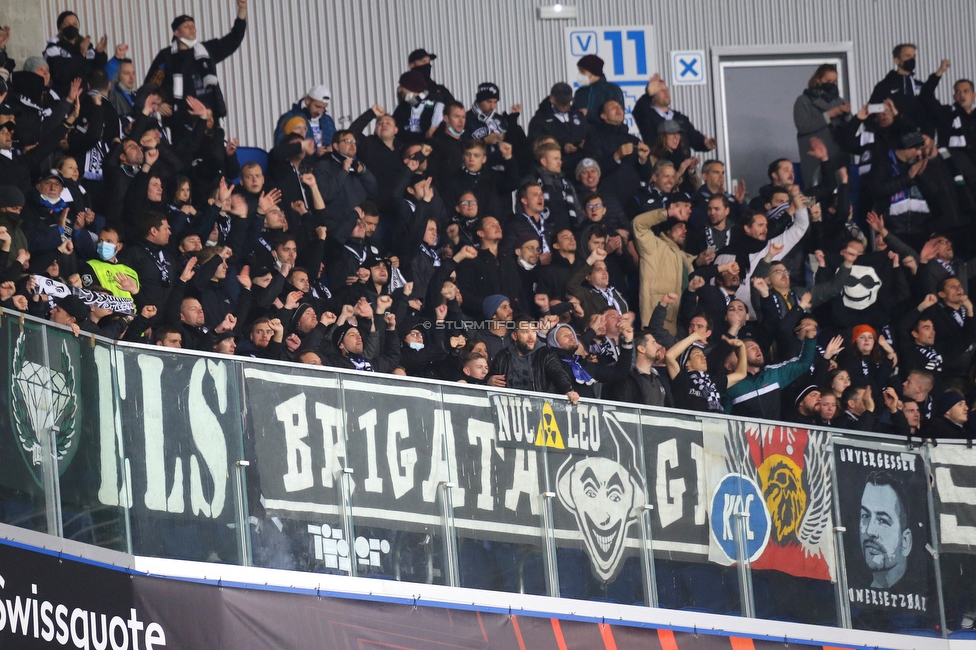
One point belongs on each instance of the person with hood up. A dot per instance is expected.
(586, 376)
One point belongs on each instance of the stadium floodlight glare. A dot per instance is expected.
(557, 12)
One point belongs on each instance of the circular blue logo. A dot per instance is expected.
(739, 495)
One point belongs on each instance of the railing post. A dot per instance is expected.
(49, 453)
(348, 530)
(843, 602)
(647, 556)
(243, 522)
(934, 527)
(744, 567)
(452, 576)
(549, 544)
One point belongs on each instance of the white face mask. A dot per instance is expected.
(583, 80)
(190, 44)
(416, 346)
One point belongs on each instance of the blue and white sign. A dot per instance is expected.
(629, 54)
(738, 495)
(688, 68)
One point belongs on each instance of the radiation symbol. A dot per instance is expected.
(547, 435)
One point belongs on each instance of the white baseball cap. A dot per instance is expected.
(319, 93)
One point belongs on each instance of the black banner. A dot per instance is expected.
(884, 507)
(954, 471)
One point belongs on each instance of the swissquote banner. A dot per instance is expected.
(883, 496)
(954, 471)
(777, 480)
(48, 601)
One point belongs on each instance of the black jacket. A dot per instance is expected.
(905, 92)
(488, 275)
(155, 267)
(648, 120)
(548, 376)
(621, 179)
(545, 122)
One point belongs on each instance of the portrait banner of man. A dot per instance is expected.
(883, 497)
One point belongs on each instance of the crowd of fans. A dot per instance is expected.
(443, 240)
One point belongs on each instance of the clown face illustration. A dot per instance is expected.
(602, 495)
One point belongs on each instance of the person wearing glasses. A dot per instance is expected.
(344, 183)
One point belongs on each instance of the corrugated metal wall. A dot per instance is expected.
(359, 47)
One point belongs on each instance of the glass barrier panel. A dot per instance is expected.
(296, 445)
(93, 486)
(673, 454)
(884, 508)
(32, 400)
(953, 470)
(181, 437)
(395, 448)
(596, 469)
(500, 473)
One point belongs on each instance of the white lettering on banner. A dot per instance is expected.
(586, 435)
(513, 420)
(32, 617)
(109, 442)
(735, 505)
(483, 434)
(367, 422)
(881, 597)
(208, 438)
(333, 442)
(398, 429)
(950, 493)
(298, 453)
(879, 459)
(525, 481)
(670, 493)
(698, 456)
(443, 467)
(152, 420)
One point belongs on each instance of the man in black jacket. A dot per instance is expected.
(152, 260)
(953, 319)
(344, 181)
(492, 272)
(654, 107)
(950, 416)
(447, 155)
(645, 384)
(900, 86)
(623, 159)
(188, 68)
(556, 117)
(524, 366)
(956, 123)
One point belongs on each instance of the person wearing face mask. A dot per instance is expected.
(188, 67)
(816, 113)
(420, 60)
(556, 117)
(70, 55)
(592, 88)
(417, 113)
(448, 154)
(901, 87)
(106, 271)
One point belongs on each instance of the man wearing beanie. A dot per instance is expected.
(348, 350)
(593, 89)
(806, 406)
(188, 67)
(420, 60)
(11, 203)
(484, 122)
(950, 415)
(73, 312)
(319, 125)
(497, 311)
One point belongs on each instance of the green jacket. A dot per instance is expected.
(759, 395)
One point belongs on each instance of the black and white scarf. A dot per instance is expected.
(205, 69)
(48, 287)
(705, 388)
(540, 229)
(934, 358)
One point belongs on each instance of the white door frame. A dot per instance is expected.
(840, 53)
